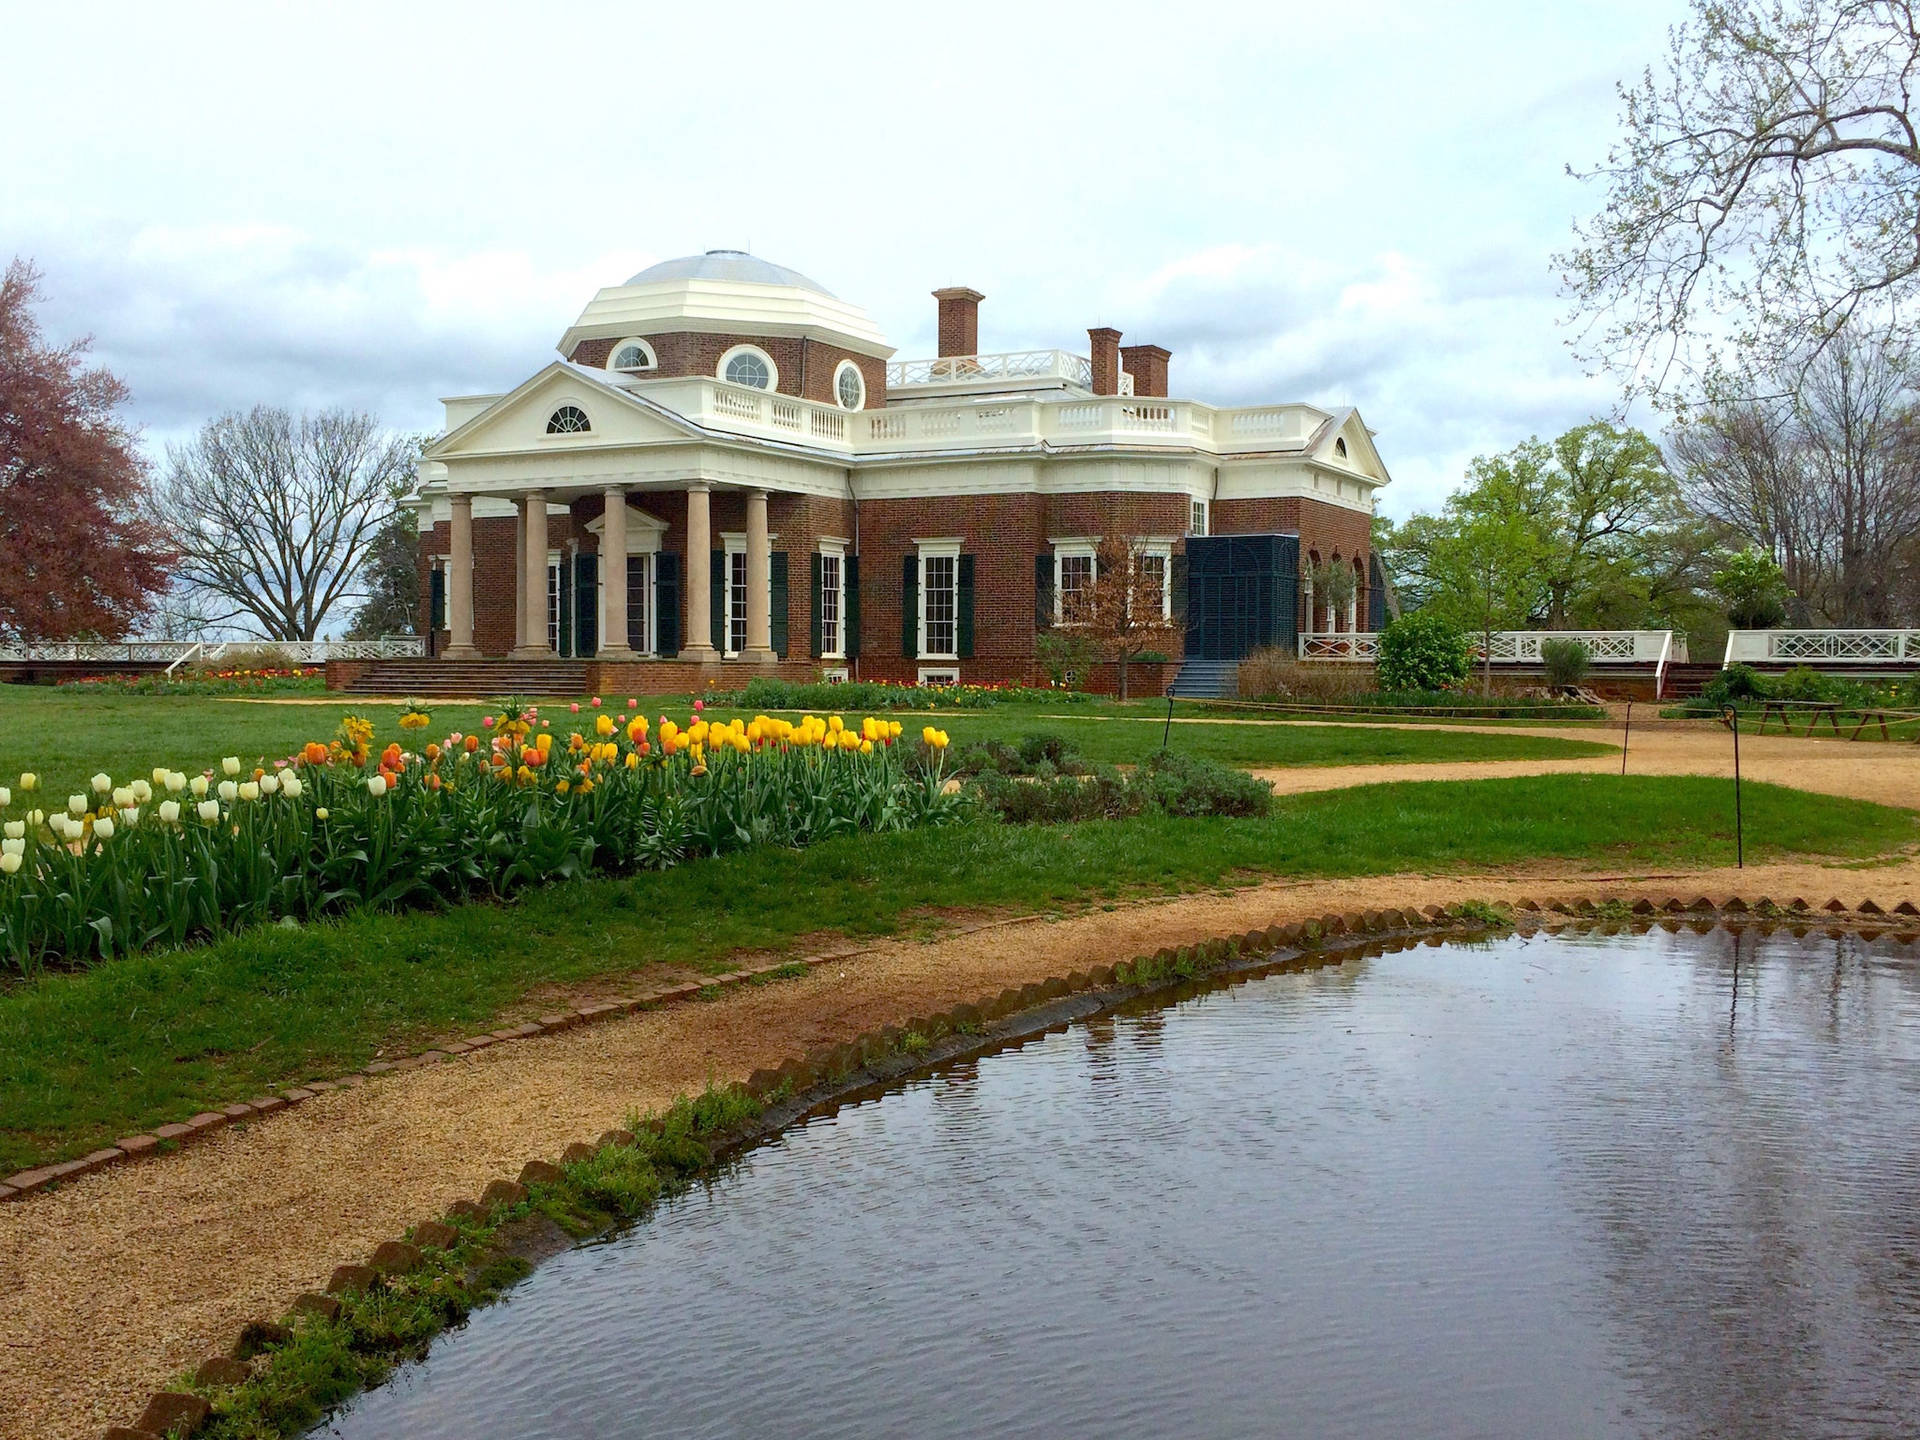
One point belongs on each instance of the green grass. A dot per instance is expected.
(86, 1058)
(66, 736)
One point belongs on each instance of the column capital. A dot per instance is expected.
(701, 486)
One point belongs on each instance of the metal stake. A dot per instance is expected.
(1626, 736)
(1168, 733)
(1739, 825)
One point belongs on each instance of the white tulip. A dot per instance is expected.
(16, 829)
(159, 774)
(10, 846)
(9, 864)
(122, 797)
(209, 810)
(36, 818)
(249, 790)
(199, 786)
(269, 784)
(103, 827)
(377, 784)
(175, 782)
(291, 787)
(142, 792)
(102, 784)
(130, 816)
(76, 804)
(231, 764)
(228, 791)
(170, 811)
(6, 797)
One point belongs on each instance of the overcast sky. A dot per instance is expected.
(380, 205)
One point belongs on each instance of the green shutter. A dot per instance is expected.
(1043, 592)
(586, 608)
(777, 583)
(666, 603)
(850, 620)
(717, 576)
(437, 599)
(910, 606)
(819, 583)
(964, 604)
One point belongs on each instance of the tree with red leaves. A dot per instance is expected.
(76, 559)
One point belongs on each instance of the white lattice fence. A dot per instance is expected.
(1824, 647)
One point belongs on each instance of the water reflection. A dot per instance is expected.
(1611, 1186)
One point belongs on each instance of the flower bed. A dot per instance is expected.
(236, 680)
(337, 827)
(770, 694)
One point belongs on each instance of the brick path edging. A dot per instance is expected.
(184, 1413)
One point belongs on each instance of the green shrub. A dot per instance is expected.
(1566, 662)
(1423, 651)
(1066, 655)
(1188, 785)
(1054, 787)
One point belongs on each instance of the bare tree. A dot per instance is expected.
(272, 515)
(1826, 479)
(1123, 608)
(1765, 190)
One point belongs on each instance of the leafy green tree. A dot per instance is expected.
(1754, 589)
(1486, 575)
(391, 577)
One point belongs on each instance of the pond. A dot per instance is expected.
(1630, 1185)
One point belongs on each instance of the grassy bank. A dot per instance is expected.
(66, 736)
(86, 1058)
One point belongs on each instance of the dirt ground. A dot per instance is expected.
(122, 1279)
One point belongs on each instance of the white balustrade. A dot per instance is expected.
(1010, 365)
(1823, 647)
(174, 653)
(1511, 647)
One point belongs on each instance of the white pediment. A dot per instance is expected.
(645, 533)
(1346, 443)
(522, 421)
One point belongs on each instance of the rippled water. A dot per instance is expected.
(1640, 1185)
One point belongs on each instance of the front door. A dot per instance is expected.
(1240, 594)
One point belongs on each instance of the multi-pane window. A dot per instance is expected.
(749, 367)
(568, 420)
(1197, 518)
(553, 608)
(639, 603)
(1076, 580)
(736, 601)
(632, 357)
(1152, 589)
(939, 604)
(849, 386)
(831, 593)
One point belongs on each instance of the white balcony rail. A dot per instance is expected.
(1823, 647)
(1009, 365)
(1658, 648)
(175, 653)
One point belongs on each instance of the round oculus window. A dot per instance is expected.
(850, 386)
(749, 368)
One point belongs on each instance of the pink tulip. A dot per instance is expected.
(488, 722)
(699, 704)
(632, 704)
(574, 707)
(596, 702)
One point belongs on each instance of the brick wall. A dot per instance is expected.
(806, 366)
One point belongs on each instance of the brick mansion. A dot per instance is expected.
(726, 472)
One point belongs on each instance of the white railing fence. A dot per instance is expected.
(1658, 648)
(1010, 365)
(175, 653)
(1823, 647)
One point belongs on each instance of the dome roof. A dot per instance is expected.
(732, 265)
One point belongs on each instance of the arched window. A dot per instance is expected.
(1340, 448)
(849, 386)
(632, 355)
(750, 366)
(568, 420)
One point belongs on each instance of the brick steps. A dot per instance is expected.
(445, 678)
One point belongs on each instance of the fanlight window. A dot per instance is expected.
(849, 387)
(632, 357)
(568, 420)
(750, 368)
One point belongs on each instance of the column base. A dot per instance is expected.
(531, 652)
(460, 652)
(759, 657)
(699, 654)
(616, 652)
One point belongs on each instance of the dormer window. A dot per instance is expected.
(849, 386)
(750, 366)
(568, 420)
(632, 355)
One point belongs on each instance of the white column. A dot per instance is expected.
(534, 646)
(613, 574)
(519, 574)
(759, 649)
(698, 641)
(460, 581)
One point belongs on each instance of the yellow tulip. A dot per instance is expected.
(866, 747)
(633, 760)
(927, 732)
(835, 725)
(604, 724)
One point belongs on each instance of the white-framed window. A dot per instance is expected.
(834, 675)
(568, 420)
(1197, 518)
(1155, 560)
(833, 600)
(939, 675)
(733, 588)
(751, 366)
(1075, 567)
(940, 599)
(634, 354)
(849, 385)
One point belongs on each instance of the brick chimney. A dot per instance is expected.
(1105, 344)
(959, 320)
(1148, 366)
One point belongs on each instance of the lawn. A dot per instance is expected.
(65, 736)
(88, 1057)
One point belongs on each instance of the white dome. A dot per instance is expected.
(733, 265)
